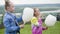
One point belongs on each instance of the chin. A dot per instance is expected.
(12, 11)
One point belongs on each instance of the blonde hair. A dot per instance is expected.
(7, 4)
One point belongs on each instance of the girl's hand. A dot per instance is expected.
(46, 28)
(22, 26)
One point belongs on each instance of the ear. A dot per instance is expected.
(7, 7)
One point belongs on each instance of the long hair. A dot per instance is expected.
(34, 11)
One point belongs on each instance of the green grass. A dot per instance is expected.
(27, 29)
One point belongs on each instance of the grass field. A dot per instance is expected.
(27, 29)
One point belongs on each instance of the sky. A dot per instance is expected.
(32, 1)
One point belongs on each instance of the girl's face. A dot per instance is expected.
(11, 7)
(36, 12)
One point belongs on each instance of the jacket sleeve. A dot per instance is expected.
(8, 25)
(19, 19)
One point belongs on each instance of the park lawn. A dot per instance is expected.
(27, 29)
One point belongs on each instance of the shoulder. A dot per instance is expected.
(34, 19)
(7, 16)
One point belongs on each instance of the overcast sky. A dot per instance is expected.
(32, 1)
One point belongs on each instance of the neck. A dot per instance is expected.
(8, 11)
(37, 17)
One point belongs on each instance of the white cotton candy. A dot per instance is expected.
(50, 20)
(27, 14)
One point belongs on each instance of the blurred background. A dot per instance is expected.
(46, 7)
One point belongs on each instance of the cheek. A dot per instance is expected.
(38, 13)
(12, 8)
